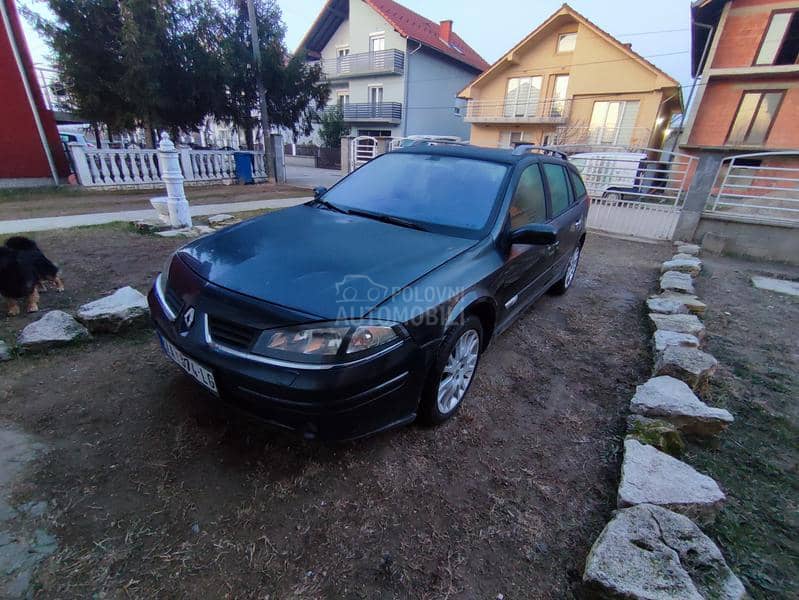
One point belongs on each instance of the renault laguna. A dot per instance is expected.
(371, 305)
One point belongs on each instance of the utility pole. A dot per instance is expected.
(256, 56)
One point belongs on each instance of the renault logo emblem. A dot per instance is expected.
(188, 318)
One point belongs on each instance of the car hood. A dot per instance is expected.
(319, 261)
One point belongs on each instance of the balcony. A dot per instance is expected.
(545, 112)
(368, 112)
(383, 62)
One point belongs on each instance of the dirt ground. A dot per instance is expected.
(51, 202)
(157, 492)
(753, 333)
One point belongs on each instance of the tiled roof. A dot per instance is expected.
(414, 26)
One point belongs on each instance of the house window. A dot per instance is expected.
(559, 89)
(342, 98)
(377, 42)
(780, 44)
(755, 117)
(342, 52)
(521, 96)
(613, 122)
(567, 42)
(508, 139)
(342, 62)
(375, 94)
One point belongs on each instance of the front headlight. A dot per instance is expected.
(324, 342)
(164, 278)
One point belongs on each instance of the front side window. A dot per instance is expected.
(560, 193)
(567, 42)
(754, 118)
(529, 200)
(433, 191)
(780, 43)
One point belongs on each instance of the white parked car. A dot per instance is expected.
(621, 175)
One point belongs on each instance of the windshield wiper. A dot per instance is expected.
(386, 219)
(329, 205)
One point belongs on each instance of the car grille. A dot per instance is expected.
(231, 334)
(173, 300)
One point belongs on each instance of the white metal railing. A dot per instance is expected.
(536, 111)
(635, 192)
(137, 167)
(610, 136)
(763, 186)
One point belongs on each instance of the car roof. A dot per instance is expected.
(500, 155)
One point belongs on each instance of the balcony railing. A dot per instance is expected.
(366, 63)
(379, 112)
(539, 111)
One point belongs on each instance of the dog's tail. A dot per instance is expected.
(21, 243)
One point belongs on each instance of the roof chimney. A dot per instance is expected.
(445, 30)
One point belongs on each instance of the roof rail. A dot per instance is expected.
(524, 148)
(438, 143)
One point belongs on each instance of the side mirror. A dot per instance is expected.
(539, 234)
(318, 192)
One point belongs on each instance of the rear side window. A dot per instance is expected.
(529, 201)
(577, 182)
(560, 192)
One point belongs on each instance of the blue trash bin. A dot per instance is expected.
(243, 167)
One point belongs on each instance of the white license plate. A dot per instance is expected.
(192, 367)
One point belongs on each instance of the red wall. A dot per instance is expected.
(21, 152)
(743, 30)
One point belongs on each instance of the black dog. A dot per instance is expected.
(23, 269)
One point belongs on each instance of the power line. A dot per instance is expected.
(653, 32)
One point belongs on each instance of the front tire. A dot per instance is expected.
(453, 371)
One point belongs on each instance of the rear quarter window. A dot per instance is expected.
(560, 193)
(577, 182)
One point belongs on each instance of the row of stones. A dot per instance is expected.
(652, 547)
(123, 309)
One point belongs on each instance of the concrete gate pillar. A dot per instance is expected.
(169, 163)
(697, 196)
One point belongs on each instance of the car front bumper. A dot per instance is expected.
(330, 402)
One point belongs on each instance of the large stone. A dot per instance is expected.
(124, 308)
(650, 553)
(666, 306)
(55, 328)
(649, 476)
(5, 352)
(188, 232)
(691, 249)
(222, 220)
(679, 323)
(674, 281)
(672, 400)
(683, 256)
(781, 286)
(663, 339)
(656, 432)
(691, 365)
(692, 266)
(691, 302)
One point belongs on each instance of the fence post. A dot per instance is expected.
(346, 142)
(177, 202)
(698, 194)
(81, 164)
(276, 140)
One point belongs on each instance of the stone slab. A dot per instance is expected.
(663, 339)
(56, 328)
(680, 323)
(781, 286)
(690, 365)
(675, 281)
(125, 308)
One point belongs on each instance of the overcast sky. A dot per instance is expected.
(492, 26)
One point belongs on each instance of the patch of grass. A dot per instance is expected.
(755, 462)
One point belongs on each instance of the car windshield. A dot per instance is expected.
(432, 191)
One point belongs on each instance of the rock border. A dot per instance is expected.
(654, 484)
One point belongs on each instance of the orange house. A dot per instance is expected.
(748, 99)
(570, 82)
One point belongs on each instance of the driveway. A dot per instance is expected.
(156, 491)
(310, 177)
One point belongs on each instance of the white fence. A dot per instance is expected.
(635, 192)
(763, 186)
(136, 167)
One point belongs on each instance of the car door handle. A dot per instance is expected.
(552, 248)
(579, 224)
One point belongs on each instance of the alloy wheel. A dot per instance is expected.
(572, 268)
(458, 371)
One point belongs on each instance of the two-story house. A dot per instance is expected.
(393, 72)
(747, 99)
(570, 82)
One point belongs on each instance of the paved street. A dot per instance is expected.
(309, 177)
